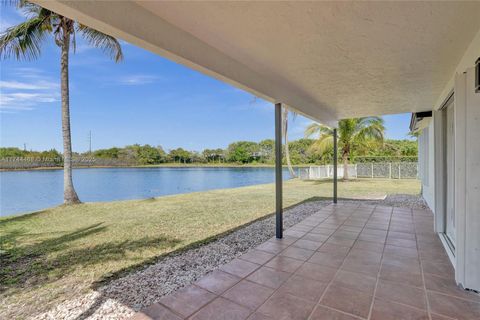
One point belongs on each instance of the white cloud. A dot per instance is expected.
(4, 24)
(29, 89)
(7, 22)
(25, 101)
(138, 79)
(39, 85)
(28, 97)
(28, 73)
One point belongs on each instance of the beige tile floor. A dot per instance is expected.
(347, 261)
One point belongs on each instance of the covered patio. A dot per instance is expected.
(347, 261)
(328, 61)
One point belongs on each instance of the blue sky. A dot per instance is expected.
(144, 99)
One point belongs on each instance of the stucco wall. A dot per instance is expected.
(467, 180)
(467, 61)
(427, 166)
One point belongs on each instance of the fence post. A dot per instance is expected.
(390, 171)
(399, 170)
(372, 170)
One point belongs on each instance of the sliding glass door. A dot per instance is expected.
(449, 135)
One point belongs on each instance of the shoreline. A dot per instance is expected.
(165, 165)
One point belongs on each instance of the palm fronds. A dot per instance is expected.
(316, 129)
(109, 45)
(24, 40)
(353, 134)
(323, 145)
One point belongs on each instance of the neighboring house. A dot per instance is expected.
(449, 166)
(336, 60)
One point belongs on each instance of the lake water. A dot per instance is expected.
(27, 191)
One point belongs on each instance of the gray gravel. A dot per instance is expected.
(397, 200)
(120, 298)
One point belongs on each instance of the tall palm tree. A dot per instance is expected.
(23, 42)
(352, 133)
(285, 136)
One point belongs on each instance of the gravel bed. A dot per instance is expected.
(120, 298)
(397, 200)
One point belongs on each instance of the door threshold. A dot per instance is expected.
(449, 247)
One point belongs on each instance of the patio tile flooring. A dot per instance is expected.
(347, 261)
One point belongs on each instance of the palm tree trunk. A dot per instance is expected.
(287, 150)
(345, 167)
(69, 194)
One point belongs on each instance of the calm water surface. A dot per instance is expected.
(27, 191)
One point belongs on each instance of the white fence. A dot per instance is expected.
(391, 170)
(325, 172)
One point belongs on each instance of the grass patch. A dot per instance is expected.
(55, 254)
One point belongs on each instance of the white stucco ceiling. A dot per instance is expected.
(328, 60)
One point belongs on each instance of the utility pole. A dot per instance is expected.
(24, 147)
(90, 142)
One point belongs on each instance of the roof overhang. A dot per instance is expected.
(326, 60)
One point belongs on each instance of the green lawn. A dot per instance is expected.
(55, 254)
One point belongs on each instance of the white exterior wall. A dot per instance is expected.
(467, 61)
(466, 254)
(467, 180)
(426, 160)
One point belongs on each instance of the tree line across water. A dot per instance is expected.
(302, 151)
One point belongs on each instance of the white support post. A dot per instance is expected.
(399, 177)
(372, 170)
(390, 171)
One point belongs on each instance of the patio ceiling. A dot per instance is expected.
(327, 60)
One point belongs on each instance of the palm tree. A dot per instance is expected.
(23, 42)
(285, 136)
(352, 133)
